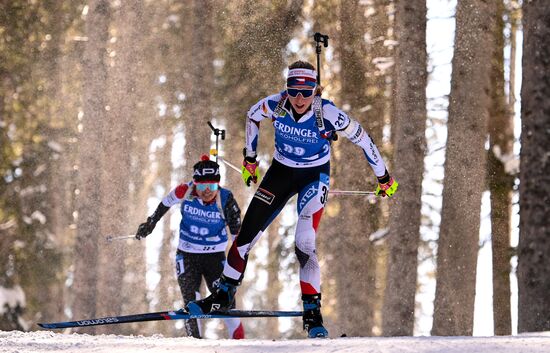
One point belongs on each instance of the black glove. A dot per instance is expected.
(146, 228)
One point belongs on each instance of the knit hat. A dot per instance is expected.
(206, 171)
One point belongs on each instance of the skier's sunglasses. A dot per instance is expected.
(204, 186)
(294, 92)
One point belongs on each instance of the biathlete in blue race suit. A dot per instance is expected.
(207, 210)
(304, 125)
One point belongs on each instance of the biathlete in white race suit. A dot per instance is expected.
(304, 125)
(207, 210)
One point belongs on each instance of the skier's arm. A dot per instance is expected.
(387, 186)
(256, 114)
(175, 196)
(148, 226)
(351, 129)
(343, 124)
(357, 135)
(232, 214)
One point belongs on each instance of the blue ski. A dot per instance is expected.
(168, 315)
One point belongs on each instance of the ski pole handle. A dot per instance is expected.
(216, 131)
(319, 39)
(110, 238)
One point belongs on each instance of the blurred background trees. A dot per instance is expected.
(103, 109)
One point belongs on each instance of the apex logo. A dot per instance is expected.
(206, 171)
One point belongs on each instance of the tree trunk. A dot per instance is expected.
(465, 162)
(534, 240)
(354, 279)
(91, 144)
(197, 132)
(501, 138)
(410, 149)
(168, 289)
(378, 113)
(144, 114)
(59, 215)
(115, 183)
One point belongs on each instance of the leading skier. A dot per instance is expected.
(304, 126)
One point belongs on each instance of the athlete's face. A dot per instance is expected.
(207, 191)
(300, 103)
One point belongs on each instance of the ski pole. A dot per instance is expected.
(229, 164)
(350, 192)
(110, 238)
(332, 192)
(217, 132)
(319, 38)
(317, 104)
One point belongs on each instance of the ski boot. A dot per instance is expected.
(313, 320)
(221, 299)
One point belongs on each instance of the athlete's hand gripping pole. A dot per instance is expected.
(387, 188)
(250, 171)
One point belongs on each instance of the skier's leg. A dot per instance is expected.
(189, 280)
(311, 201)
(271, 196)
(235, 328)
(212, 269)
(268, 200)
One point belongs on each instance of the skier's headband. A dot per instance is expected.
(301, 77)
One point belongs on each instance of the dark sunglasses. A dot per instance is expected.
(293, 92)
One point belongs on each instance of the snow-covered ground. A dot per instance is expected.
(47, 341)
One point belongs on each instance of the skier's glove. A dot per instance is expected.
(250, 170)
(386, 188)
(146, 228)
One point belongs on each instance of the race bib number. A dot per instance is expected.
(298, 151)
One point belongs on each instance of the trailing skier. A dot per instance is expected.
(304, 128)
(207, 210)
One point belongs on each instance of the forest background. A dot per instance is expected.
(103, 109)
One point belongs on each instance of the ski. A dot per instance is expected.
(168, 315)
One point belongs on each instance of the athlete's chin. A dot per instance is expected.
(301, 110)
(208, 198)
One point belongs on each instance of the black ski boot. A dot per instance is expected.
(313, 320)
(221, 299)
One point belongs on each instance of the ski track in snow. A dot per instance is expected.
(48, 341)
